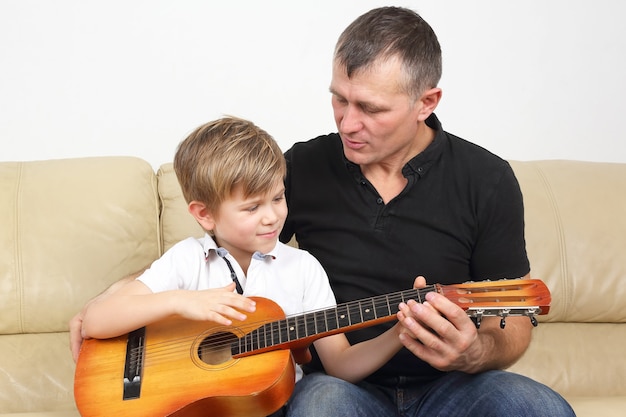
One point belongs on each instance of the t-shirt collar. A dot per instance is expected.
(211, 246)
(421, 162)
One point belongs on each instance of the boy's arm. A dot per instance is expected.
(353, 363)
(134, 305)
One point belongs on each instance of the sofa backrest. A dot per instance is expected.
(176, 222)
(69, 228)
(78, 223)
(576, 236)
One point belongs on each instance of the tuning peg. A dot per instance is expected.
(533, 320)
(504, 313)
(477, 317)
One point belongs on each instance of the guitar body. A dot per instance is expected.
(178, 380)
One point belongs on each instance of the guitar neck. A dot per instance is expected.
(303, 329)
(501, 298)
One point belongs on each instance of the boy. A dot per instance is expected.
(232, 177)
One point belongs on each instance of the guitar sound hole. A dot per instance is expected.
(216, 348)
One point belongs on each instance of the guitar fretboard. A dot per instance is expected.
(341, 317)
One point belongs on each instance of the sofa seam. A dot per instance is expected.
(159, 177)
(159, 214)
(19, 270)
(561, 238)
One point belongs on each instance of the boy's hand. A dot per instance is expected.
(219, 305)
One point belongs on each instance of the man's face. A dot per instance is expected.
(377, 120)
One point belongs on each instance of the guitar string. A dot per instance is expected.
(252, 341)
(307, 319)
(167, 348)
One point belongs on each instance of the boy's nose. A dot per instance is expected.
(270, 217)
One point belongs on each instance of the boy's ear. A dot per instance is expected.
(429, 101)
(201, 213)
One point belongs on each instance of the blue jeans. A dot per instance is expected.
(493, 393)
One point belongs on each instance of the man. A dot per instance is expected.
(392, 196)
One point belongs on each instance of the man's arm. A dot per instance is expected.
(76, 322)
(440, 333)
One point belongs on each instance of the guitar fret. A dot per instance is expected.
(381, 307)
(263, 340)
(343, 319)
(275, 333)
(308, 324)
(246, 344)
(354, 310)
(368, 311)
(283, 331)
(292, 331)
(386, 306)
(332, 321)
(256, 338)
(251, 337)
(320, 321)
(419, 297)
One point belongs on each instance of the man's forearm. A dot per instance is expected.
(76, 322)
(502, 347)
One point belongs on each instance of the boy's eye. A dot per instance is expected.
(252, 208)
(279, 198)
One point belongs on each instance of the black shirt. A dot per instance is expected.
(459, 218)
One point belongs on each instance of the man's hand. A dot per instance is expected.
(440, 333)
(76, 336)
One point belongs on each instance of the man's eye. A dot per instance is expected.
(370, 110)
(340, 100)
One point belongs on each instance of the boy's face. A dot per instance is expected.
(246, 225)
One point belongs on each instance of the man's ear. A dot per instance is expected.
(428, 103)
(201, 213)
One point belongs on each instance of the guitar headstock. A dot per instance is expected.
(502, 298)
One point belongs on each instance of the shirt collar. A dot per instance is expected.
(211, 246)
(421, 162)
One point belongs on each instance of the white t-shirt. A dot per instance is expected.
(292, 278)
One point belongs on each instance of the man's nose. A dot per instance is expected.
(350, 120)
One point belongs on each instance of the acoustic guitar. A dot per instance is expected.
(184, 368)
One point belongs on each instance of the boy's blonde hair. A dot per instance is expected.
(227, 153)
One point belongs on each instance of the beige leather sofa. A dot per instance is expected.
(71, 227)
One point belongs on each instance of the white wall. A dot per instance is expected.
(531, 79)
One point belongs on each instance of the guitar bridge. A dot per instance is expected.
(133, 366)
